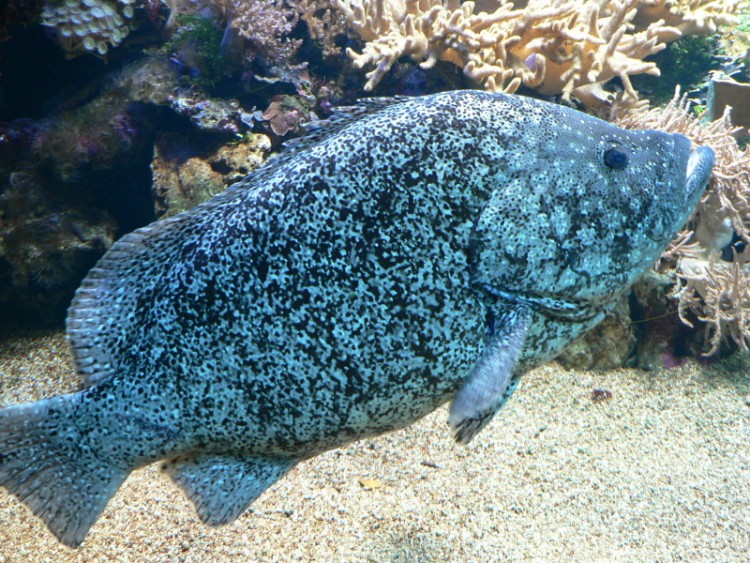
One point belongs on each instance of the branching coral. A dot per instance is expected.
(712, 283)
(691, 17)
(718, 292)
(324, 24)
(264, 24)
(267, 25)
(555, 46)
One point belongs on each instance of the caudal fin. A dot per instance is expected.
(44, 464)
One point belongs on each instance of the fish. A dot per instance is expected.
(405, 253)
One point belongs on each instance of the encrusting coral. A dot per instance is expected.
(563, 47)
(713, 276)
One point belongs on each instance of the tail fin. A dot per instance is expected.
(43, 463)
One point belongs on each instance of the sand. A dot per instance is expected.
(660, 471)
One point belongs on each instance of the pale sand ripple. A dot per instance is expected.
(661, 471)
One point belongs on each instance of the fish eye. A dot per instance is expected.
(616, 157)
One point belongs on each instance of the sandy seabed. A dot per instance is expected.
(658, 472)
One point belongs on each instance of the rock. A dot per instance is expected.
(186, 174)
(369, 484)
(46, 248)
(658, 327)
(610, 345)
(724, 91)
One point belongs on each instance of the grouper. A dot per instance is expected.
(405, 253)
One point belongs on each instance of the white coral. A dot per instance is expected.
(89, 25)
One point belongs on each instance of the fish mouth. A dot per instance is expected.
(699, 165)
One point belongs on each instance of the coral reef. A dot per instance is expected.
(691, 17)
(186, 174)
(709, 257)
(64, 196)
(209, 114)
(718, 294)
(194, 50)
(325, 24)
(556, 47)
(286, 113)
(91, 26)
(98, 135)
(151, 80)
(253, 30)
(267, 25)
(736, 39)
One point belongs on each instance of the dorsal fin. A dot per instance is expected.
(320, 129)
(100, 290)
(96, 316)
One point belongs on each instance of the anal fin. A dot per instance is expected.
(491, 381)
(222, 487)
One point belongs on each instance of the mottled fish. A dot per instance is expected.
(406, 253)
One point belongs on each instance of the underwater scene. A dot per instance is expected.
(374, 280)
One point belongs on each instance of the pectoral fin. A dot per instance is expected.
(491, 381)
(222, 486)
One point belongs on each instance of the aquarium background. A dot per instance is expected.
(115, 113)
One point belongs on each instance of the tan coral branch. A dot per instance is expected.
(563, 47)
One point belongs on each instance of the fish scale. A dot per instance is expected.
(407, 252)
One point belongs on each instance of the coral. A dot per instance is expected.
(209, 114)
(691, 17)
(89, 25)
(710, 279)
(185, 174)
(735, 40)
(267, 24)
(324, 23)
(98, 135)
(718, 292)
(194, 50)
(17, 13)
(554, 46)
(258, 29)
(151, 80)
(286, 113)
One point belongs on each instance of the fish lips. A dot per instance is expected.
(698, 171)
